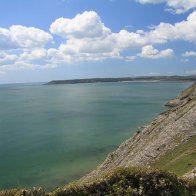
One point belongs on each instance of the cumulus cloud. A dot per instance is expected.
(174, 6)
(184, 30)
(189, 53)
(6, 59)
(35, 54)
(86, 38)
(64, 54)
(20, 46)
(80, 42)
(150, 52)
(28, 59)
(18, 36)
(87, 24)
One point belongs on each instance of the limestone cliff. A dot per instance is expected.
(164, 133)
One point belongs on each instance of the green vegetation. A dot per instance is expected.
(189, 92)
(121, 181)
(180, 160)
(131, 181)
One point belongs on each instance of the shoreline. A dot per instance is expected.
(187, 101)
(125, 79)
(163, 134)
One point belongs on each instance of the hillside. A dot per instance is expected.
(169, 130)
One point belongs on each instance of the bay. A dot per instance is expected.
(53, 134)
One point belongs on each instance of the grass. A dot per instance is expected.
(187, 92)
(180, 160)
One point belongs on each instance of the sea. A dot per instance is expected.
(53, 134)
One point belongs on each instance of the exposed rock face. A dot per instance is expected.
(165, 132)
(184, 97)
(191, 174)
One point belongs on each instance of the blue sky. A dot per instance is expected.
(42, 40)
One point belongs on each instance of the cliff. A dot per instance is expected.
(164, 134)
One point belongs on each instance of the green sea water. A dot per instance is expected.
(50, 135)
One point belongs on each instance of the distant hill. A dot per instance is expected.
(125, 79)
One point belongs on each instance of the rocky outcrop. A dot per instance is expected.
(164, 133)
(184, 97)
(191, 174)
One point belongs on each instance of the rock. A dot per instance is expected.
(191, 174)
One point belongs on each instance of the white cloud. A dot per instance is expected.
(150, 1)
(35, 54)
(125, 39)
(189, 53)
(18, 36)
(191, 72)
(87, 24)
(77, 53)
(164, 32)
(28, 59)
(17, 65)
(130, 58)
(97, 48)
(6, 59)
(174, 6)
(95, 42)
(6, 41)
(88, 45)
(86, 38)
(150, 52)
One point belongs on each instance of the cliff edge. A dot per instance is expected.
(165, 133)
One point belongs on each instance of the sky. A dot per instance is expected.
(43, 40)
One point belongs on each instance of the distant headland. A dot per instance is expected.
(125, 79)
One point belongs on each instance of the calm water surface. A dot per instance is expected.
(50, 135)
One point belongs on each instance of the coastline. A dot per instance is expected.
(167, 131)
(171, 129)
(125, 79)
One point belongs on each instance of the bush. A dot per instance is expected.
(131, 181)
